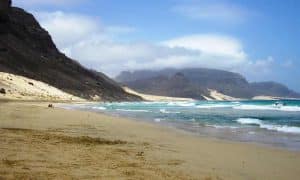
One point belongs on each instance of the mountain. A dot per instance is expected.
(174, 86)
(274, 89)
(27, 49)
(199, 82)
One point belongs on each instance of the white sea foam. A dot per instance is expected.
(211, 106)
(286, 129)
(249, 121)
(236, 102)
(261, 124)
(193, 120)
(268, 107)
(133, 110)
(157, 119)
(168, 112)
(222, 127)
(99, 108)
(184, 104)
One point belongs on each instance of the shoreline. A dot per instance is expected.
(32, 135)
(180, 129)
(231, 132)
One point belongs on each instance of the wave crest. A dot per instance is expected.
(261, 124)
(164, 111)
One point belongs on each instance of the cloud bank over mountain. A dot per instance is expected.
(95, 45)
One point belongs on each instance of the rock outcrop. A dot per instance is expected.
(27, 49)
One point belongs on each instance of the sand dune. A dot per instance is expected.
(22, 88)
(215, 95)
(149, 97)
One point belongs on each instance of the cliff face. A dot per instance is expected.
(27, 49)
(4, 9)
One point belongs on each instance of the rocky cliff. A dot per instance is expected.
(27, 49)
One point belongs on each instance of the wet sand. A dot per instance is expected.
(37, 142)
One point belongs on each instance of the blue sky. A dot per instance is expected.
(257, 38)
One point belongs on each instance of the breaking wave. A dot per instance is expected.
(273, 127)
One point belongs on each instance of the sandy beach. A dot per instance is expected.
(37, 142)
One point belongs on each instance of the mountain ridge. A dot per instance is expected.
(199, 82)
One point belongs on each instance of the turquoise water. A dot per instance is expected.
(269, 122)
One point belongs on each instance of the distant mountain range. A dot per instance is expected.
(198, 83)
(27, 49)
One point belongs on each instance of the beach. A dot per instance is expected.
(38, 142)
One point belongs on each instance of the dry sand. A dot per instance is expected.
(149, 97)
(22, 88)
(215, 95)
(50, 143)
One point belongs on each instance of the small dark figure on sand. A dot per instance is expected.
(2, 91)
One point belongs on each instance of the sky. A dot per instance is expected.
(259, 38)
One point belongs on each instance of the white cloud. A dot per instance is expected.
(210, 44)
(68, 29)
(93, 44)
(213, 10)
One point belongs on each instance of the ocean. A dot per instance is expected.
(275, 123)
